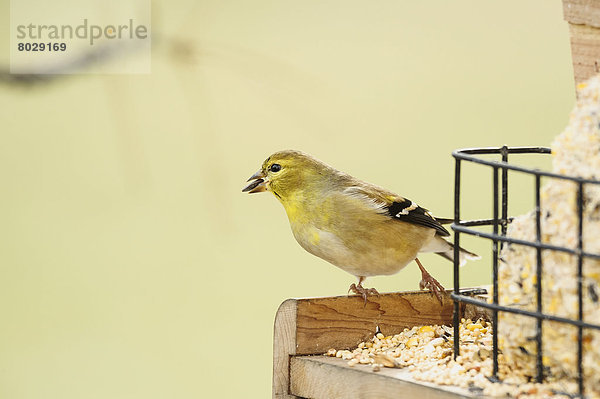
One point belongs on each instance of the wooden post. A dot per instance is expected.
(583, 17)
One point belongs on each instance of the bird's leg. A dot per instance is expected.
(428, 282)
(360, 290)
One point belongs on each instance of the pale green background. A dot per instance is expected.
(131, 264)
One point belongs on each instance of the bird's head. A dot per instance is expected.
(285, 173)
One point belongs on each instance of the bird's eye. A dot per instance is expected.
(275, 167)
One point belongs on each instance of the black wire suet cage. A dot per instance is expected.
(499, 222)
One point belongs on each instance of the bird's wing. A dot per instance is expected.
(397, 207)
(406, 210)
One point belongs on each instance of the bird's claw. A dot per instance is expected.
(362, 291)
(429, 283)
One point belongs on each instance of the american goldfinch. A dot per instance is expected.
(359, 227)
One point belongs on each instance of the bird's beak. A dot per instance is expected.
(258, 183)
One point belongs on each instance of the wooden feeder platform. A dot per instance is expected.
(306, 328)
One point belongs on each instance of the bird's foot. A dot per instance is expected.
(429, 283)
(362, 291)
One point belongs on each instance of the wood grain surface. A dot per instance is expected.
(321, 377)
(284, 346)
(583, 17)
(342, 322)
(585, 51)
(582, 12)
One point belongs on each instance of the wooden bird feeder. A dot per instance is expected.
(306, 328)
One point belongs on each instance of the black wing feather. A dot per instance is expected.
(410, 212)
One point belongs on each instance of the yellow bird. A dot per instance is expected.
(359, 227)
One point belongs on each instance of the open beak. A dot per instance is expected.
(258, 183)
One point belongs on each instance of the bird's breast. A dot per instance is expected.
(321, 243)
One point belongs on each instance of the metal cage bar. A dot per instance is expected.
(495, 276)
(504, 221)
(456, 315)
(580, 285)
(459, 227)
(538, 274)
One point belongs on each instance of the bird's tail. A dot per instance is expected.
(446, 250)
(464, 255)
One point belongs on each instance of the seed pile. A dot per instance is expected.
(576, 152)
(426, 351)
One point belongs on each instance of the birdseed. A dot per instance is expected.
(426, 351)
